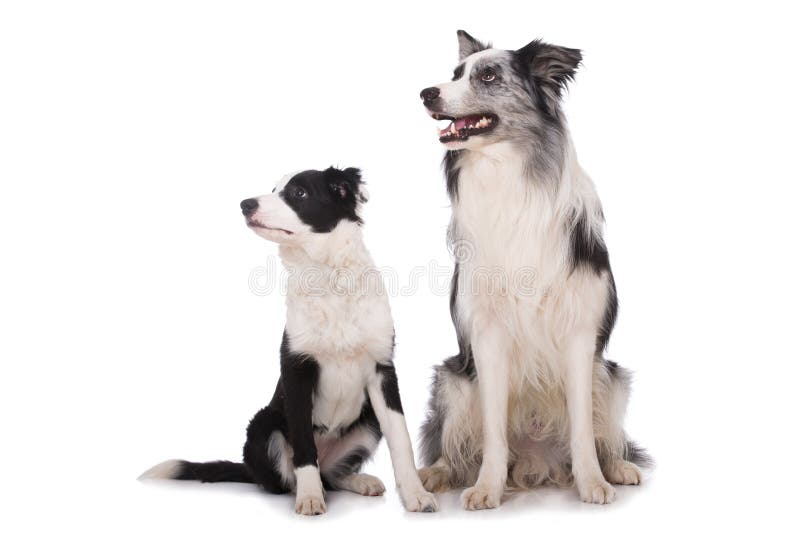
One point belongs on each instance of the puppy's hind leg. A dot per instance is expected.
(341, 458)
(363, 484)
(266, 452)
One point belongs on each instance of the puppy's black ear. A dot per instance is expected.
(347, 183)
(341, 188)
(552, 67)
(468, 45)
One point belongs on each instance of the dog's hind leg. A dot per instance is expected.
(341, 457)
(437, 477)
(617, 454)
(267, 454)
(451, 435)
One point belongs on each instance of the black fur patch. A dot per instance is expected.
(221, 471)
(348, 465)
(458, 72)
(610, 316)
(261, 428)
(462, 364)
(586, 248)
(389, 386)
(299, 379)
(451, 172)
(322, 199)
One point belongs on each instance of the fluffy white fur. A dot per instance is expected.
(533, 350)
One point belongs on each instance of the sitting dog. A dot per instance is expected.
(338, 392)
(530, 396)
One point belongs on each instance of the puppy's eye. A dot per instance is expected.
(488, 75)
(300, 193)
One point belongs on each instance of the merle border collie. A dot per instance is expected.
(338, 391)
(530, 397)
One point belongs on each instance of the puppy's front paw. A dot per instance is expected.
(596, 491)
(481, 497)
(310, 505)
(419, 501)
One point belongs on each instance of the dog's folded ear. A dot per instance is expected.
(468, 45)
(347, 183)
(551, 66)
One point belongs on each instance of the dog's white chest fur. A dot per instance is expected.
(342, 318)
(512, 243)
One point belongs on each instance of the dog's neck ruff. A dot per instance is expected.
(335, 263)
(512, 217)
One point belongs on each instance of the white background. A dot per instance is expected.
(130, 131)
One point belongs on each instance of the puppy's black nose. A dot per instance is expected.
(429, 95)
(249, 206)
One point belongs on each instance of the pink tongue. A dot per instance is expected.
(461, 123)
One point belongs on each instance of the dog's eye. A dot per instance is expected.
(300, 193)
(488, 75)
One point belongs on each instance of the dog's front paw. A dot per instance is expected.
(481, 497)
(596, 490)
(310, 505)
(419, 501)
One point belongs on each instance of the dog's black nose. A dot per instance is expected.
(249, 206)
(429, 95)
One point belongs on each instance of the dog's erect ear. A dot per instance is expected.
(551, 66)
(468, 45)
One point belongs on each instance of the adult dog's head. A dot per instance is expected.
(307, 205)
(500, 95)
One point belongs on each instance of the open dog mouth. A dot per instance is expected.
(255, 224)
(462, 128)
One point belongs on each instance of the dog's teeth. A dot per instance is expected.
(452, 128)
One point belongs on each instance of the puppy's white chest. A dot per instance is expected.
(340, 393)
(341, 328)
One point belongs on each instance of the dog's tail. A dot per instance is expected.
(638, 455)
(221, 471)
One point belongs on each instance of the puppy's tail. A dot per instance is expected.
(221, 471)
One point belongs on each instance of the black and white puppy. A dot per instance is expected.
(338, 390)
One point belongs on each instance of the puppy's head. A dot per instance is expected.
(307, 203)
